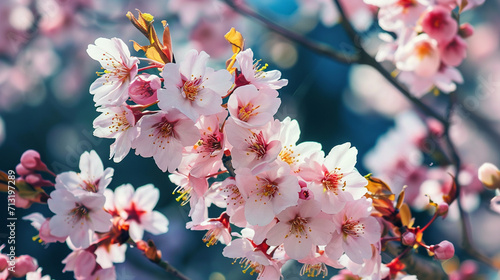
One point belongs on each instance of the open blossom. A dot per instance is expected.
(116, 122)
(119, 69)
(191, 190)
(354, 232)
(210, 148)
(395, 15)
(334, 180)
(299, 228)
(420, 54)
(252, 108)
(218, 229)
(136, 208)
(267, 193)
(445, 80)
(253, 73)
(192, 87)
(255, 257)
(39, 222)
(253, 148)
(78, 216)
(93, 178)
(291, 153)
(163, 136)
(454, 52)
(439, 24)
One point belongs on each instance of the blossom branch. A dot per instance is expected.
(315, 46)
(154, 255)
(417, 265)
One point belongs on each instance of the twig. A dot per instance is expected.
(315, 46)
(417, 265)
(150, 251)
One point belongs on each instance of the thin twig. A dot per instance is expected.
(315, 46)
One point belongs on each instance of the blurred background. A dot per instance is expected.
(45, 105)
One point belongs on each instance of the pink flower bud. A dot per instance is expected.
(4, 262)
(439, 24)
(442, 210)
(489, 175)
(22, 171)
(466, 30)
(143, 89)
(408, 238)
(443, 250)
(36, 180)
(31, 160)
(24, 264)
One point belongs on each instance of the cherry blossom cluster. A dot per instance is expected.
(428, 41)
(96, 223)
(21, 266)
(215, 132)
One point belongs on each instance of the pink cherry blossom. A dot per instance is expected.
(439, 24)
(254, 74)
(39, 222)
(299, 228)
(252, 108)
(316, 263)
(136, 208)
(370, 267)
(235, 202)
(116, 122)
(218, 229)
(191, 190)
(267, 193)
(78, 216)
(445, 80)
(354, 232)
(119, 69)
(192, 87)
(143, 89)
(420, 55)
(109, 254)
(396, 15)
(334, 180)
(255, 258)
(92, 178)
(253, 148)
(294, 154)
(163, 135)
(210, 148)
(454, 52)
(81, 262)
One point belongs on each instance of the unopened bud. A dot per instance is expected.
(24, 264)
(408, 238)
(443, 251)
(143, 89)
(442, 210)
(466, 30)
(489, 175)
(31, 160)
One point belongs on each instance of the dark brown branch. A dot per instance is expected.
(315, 46)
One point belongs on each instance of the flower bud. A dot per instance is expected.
(305, 194)
(4, 262)
(143, 89)
(408, 238)
(466, 30)
(36, 180)
(443, 250)
(24, 264)
(442, 209)
(31, 160)
(489, 175)
(22, 171)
